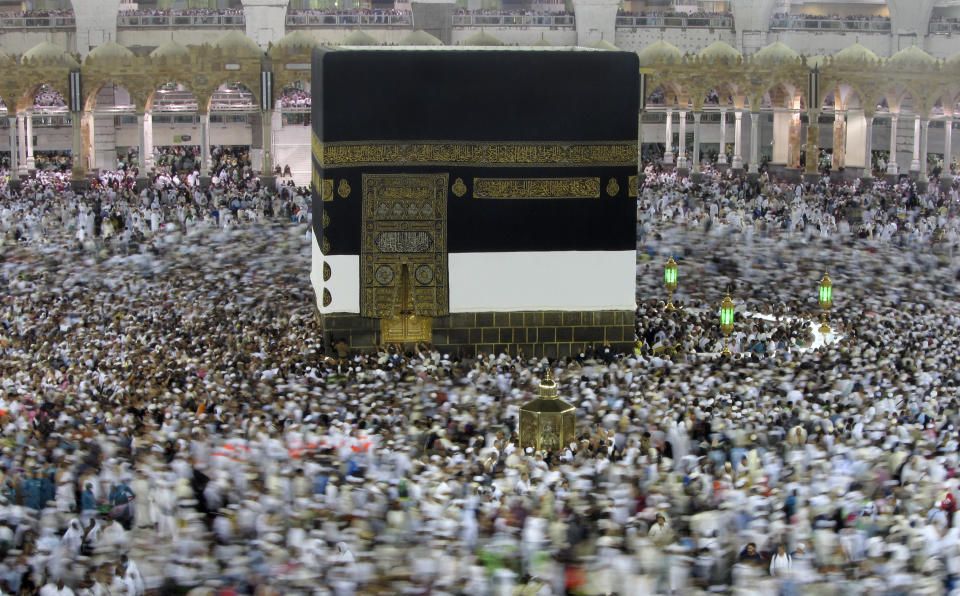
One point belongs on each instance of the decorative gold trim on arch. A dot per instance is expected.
(467, 153)
(536, 188)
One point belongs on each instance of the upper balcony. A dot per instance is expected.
(813, 23)
(676, 20)
(944, 26)
(346, 19)
(175, 20)
(54, 20)
(510, 19)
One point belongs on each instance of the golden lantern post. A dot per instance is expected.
(547, 423)
(670, 281)
(727, 309)
(826, 302)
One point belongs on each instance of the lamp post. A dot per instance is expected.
(670, 280)
(727, 309)
(826, 301)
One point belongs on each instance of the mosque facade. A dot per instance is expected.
(740, 106)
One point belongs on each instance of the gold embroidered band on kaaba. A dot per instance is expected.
(323, 186)
(536, 188)
(482, 154)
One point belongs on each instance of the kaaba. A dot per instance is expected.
(478, 199)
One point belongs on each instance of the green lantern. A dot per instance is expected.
(670, 273)
(670, 280)
(826, 301)
(826, 292)
(727, 310)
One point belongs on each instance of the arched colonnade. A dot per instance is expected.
(854, 87)
(232, 63)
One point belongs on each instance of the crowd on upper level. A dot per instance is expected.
(48, 97)
(672, 14)
(515, 13)
(810, 21)
(294, 98)
(150, 12)
(651, 18)
(348, 11)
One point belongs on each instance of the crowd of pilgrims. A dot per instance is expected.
(172, 422)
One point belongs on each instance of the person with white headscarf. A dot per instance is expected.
(343, 554)
(57, 588)
(72, 539)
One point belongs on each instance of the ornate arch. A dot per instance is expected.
(32, 83)
(91, 92)
(288, 63)
(148, 103)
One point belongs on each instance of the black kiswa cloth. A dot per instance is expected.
(475, 95)
(476, 98)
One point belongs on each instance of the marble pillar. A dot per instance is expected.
(892, 168)
(668, 146)
(737, 141)
(722, 156)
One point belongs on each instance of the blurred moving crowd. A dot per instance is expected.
(172, 422)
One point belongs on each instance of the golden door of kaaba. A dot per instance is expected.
(403, 259)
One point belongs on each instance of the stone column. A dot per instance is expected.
(892, 168)
(794, 141)
(266, 20)
(22, 144)
(754, 142)
(96, 23)
(435, 17)
(668, 152)
(812, 168)
(682, 161)
(737, 145)
(722, 157)
(76, 119)
(924, 137)
(141, 146)
(88, 154)
(31, 162)
(696, 141)
(596, 21)
(14, 162)
(868, 142)
(147, 142)
(267, 169)
(204, 145)
(947, 148)
(915, 163)
(839, 140)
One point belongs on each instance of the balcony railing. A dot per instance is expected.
(716, 22)
(513, 20)
(828, 24)
(171, 21)
(349, 20)
(944, 28)
(51, 22)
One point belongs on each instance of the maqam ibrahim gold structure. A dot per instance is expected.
(547, 423)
